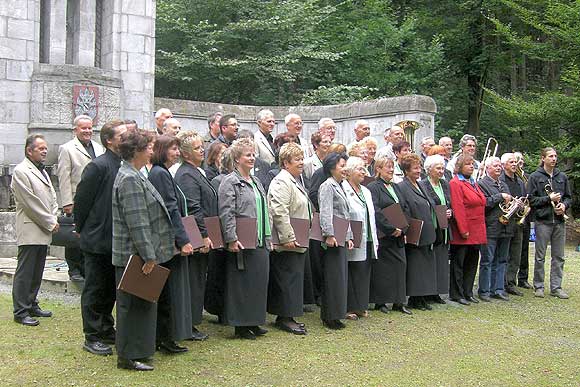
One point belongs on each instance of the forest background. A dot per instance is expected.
(503, 68)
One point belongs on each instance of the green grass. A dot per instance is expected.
(525, 342)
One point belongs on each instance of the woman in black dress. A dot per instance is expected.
(421, 268)
(388, 274)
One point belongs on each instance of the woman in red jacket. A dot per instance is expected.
(468, 230)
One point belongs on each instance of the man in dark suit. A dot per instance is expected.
(93, 216)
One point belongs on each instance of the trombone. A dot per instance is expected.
(486, 155)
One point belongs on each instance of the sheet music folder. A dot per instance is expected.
(147, 287)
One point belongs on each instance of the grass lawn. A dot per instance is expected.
(524, 342)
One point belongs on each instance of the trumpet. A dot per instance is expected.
(549, 190)
(486, 155)
(518, 207)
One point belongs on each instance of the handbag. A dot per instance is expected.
(66, 236)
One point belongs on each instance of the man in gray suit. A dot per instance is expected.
(263, 140)
(36, 209)
(73, 157)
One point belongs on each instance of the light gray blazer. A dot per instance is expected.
(358, 212)
(332, 202)
(262, 147)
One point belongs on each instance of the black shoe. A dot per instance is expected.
(514, 291)
(423, 302)
(382, 307)
(135, 365)
(300, 324)
(525, 285)
(109, 340)
(461, 301)
(244, 333)
(76, 277)
(97, 348)
(438, 300)
(473, 300)
(197, 335)
(402, 308)
(258, 331)
(287, 326)
(37, 312)
(484, 298)
(26, 320)
(171, 347)
(501, 296)
(333, 324)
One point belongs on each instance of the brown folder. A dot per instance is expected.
(441, 215)
(340, 226)
(214, 231)
(356, 227)
(190, 226)
(247, 231)
(147, 287)
(367, 180)
(301, 229)
(413, 234)
(395, 216)
(315, 231)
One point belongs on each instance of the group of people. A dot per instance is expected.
(131, 197)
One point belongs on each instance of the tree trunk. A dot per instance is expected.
(514, 73)
(523, 74)
(474, 104)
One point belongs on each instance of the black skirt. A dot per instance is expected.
(359, 278)
(197, 277)
(285, 287)
(179, 297)
(216, 277)
(136, 324)
(246, 291)
(389, 275)
(335, 284)
(421, 271)
(442, 263)
(308, 284)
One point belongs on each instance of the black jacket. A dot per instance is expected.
(493, 197)
(211, 171)
(318, 177)
(416, 205)
(435, 201)
(381, 200)
(93, 204)
(539, 199)
(161, 179)
(202, 199)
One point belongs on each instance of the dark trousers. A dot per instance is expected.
(464, 259)
(164, 312)
(75, 260)
(316, 253)
(514, 258)
(27, 278)
(98, 297)
(524, 261)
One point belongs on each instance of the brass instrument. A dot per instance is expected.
(486, 155)
(518, 207)
(409, 127)
(520, 173)
(548, 188)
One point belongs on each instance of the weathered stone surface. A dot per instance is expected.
(14, 91)
(20, 29)
(134, 7)
(11, 48)
(12, 133)
(17, 9)
(15, 112)
(141, 25)
(18, 70)
(3, 25)
(132, 43)
(133, 81)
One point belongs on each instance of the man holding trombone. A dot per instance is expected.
(550, 197)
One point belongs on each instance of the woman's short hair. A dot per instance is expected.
(283, 138)
(227, 163)
(435, 150)
(408, 161)
(133, 141)
(461, 161)
(369, 141)
(289, 151)
(337, 148)
(397, 148)
(214, 152)
(186, 140)
(381, 162)
(330, 161)
(432, 161)
(353, 163)
(316, 139)
(238, 147)
(355, 149)
(162, 145)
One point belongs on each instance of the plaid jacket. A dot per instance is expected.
(141, 223)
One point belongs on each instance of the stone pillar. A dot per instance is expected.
(85, 53)
(57, 40)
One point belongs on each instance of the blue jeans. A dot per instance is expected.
(492, 266)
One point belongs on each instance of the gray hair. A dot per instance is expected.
(445, 138)
(491, 160)
(245, 133)
(186, 139)
(322, 122)
(162, 111)
(227, 163)
(352, 163)
(432, 161)
(289, 117)
(506, 157)
(425, 139)
(360, 123)
(263, 114)
(465, 138)
(82, 117)
(169, 121)
(369, 140)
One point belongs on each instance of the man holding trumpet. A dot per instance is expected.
(550, 197)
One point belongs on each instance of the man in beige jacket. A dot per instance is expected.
(73, 157)
(36, 209)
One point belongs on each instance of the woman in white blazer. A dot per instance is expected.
(359, 259)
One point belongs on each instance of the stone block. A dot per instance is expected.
(134, 7)
(132, 81)
(86, 58)
(14, 91)
(17, 9)
(11, 48)
(124, 23)
(124, 64)
(149, 46)
(14, 153)
(140, 63)
(150, 9)
(55, 92)
(32, 53)
(33, 10)
(51, 113)
(141, 25)
(20, 29)
(133, 101)
(13, 133)
(19, 70)
(36, 109)
(3, 24)
(2, 162)
(2, 68)
(132, 43)
(15, 112)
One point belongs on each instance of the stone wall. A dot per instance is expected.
(381, 114)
